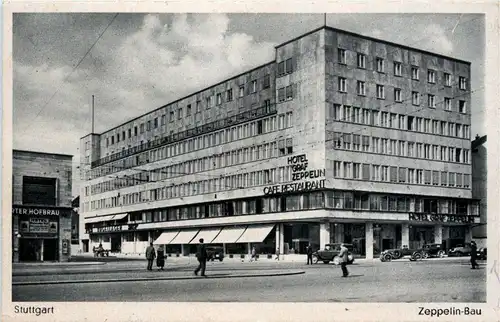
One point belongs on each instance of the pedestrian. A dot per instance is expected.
(254, 254)
(309, 254)
(473, 255)
(150, 256)
(160, 257)
(201, 255)
(277, 254)
(343, 256)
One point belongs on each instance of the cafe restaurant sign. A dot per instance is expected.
(40, 211)
(303, 179)
(108, 229)
(459, 219)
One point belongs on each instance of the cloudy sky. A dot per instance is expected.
(144, 61)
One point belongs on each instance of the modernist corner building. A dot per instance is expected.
(342, 138)
(41, 206)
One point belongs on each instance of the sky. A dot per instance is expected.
(144, 61)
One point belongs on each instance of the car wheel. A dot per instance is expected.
(220, 259)
(416, 256)
(387, 257)
(440, 254)
(315, 259)
(396, 254)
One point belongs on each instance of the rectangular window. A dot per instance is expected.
(347, 170)
(431, 101)
(289, 92)
(435, 178)
(242, 90)
(375, 118)
(427, 177)
(462, 82)
(380, 92)
(380, 65)
(342, 56)
(254, 86)
(179, 114)
(415, 73)
(431, 76)
(361, 88)
(356, 169)
(361, 61)
(402, 123)
(375, 145)
(365, 175)
(447, 104)
(394, 174)
(444, 178)
(337, 112)
(385, 173)
(356, 111)
(397, 69)
(420, 176)
(402, 175)
(188, 110)
(281, 94)
(366, 116)
(229, 95)
(366, 143)
(356, 139)
(447, 79)
(415, 98)
(336, 169)
(397, 95)
(411, 176)
(375, 174)
(288, 66)
(411, 149)
(462, 107)
(219, 98)
(347, 141)
(342, 86)
(267, 81)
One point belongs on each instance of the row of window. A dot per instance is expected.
(393, 174)
(239, 132)
(336, 199)
(244, 155)
(398, 69)
(211, 101)
(365, 143)
(361, 89)
(372, 117)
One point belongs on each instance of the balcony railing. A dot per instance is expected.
(199, 130)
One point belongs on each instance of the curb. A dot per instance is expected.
(154, 279)
(60, 265)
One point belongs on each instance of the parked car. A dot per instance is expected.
(331, 252)
(215, 253)
(390, 254)
(433, 250)
(481, 253)
(460, 250)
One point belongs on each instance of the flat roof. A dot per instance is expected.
(372, 39)
(44, 153)
(187, 96)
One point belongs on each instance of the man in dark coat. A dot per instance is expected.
(201, 255)
(343, 256)
(473, 255)
(309, 254)
(150, 256)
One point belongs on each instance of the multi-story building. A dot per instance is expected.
(41, 206)
(342, 138)
(480, 187)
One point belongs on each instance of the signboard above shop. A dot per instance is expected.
(41, 211)
(457, 219)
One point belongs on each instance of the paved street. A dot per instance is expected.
(405, 281)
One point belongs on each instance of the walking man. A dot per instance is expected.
(309, 254)
(473, 255)
(150, 256)
(343, 256)
(201, 255)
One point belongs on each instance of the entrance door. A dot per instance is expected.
(29, 250)
(50, 250)
(85, 244)
(116, 243)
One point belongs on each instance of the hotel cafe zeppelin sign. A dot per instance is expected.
(457, 219)
(303, 178)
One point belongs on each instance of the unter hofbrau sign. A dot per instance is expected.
(299, 164)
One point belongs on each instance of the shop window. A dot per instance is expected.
(142, 236)
(348, 200)
(292, 203)
(462, 207)
(430, 206)
(338, 199)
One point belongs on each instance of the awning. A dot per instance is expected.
(166, 237)
(229, 235)
(255, 234)
(120, 216)
(98, 219)
(184, 236)
(208, 234)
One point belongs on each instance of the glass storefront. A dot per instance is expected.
(386, 236)
(421, 235)
(298, 235)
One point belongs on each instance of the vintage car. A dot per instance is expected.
(460, 250)
(390, 254)
(433, 250)
(215, 253)
(481, 253)
(331, 252)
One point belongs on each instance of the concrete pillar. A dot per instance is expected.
(369, 240)
(280, 239)
(438, 234)
(446, 237)
(41, 249)
(135, 243)
(324, 234)
(224, 249)
(183, 250)
(468, 234)
(405, 235)
(339, 233)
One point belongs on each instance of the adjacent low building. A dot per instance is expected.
(341, 138)
(41, 206)
(479, 187)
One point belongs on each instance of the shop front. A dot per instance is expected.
(41, 233)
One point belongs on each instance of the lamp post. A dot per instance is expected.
(15, 253)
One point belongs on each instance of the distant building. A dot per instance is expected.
(41, 206)
(479, 186)
(75, 225)
(341, 138)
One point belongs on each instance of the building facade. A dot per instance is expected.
(343, 138)
(41, 206)
(479, 187)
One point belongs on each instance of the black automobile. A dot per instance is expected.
(331, 252)
(390, 254)
(215, 253)
(433, 250)
(481, 253)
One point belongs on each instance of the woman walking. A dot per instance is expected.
(160, 258)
